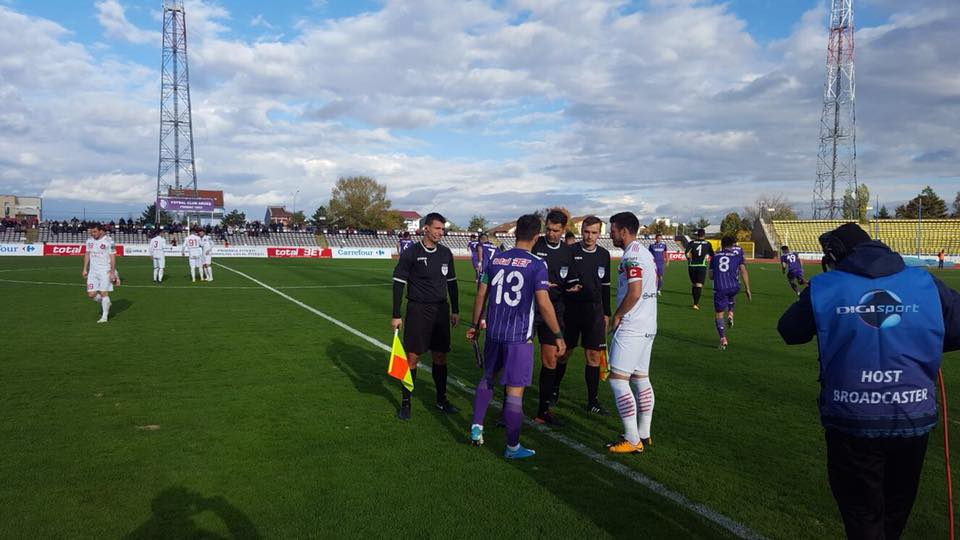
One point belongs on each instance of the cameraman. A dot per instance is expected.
(881, 328)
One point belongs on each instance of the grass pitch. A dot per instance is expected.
(223, 409)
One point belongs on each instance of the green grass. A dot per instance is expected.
(269, 421)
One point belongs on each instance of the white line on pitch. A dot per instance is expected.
(704, 511)
(197, 287)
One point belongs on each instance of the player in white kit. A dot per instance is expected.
(207, 244)
(99, 269)
(194, 251)
(634, 327)
(157, 244)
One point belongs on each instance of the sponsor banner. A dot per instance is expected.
(675, 256)
(186, 204)
(21, 250)
(63, 250)
(299, 252)
(361, 253)
(239, 251)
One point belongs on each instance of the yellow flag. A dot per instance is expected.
(399, 368)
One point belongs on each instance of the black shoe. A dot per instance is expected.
(548, 419)
(403, 413)
(648, 442)
(447, 407)
(555, 397)
(595, 408)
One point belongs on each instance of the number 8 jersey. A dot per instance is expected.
(513, 278)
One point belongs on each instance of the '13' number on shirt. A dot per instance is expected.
(514, 281)
(723, 263)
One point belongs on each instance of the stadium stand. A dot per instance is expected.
(900, 234)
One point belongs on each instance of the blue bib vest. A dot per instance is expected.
(881, 341)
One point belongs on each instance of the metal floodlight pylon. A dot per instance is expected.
(837, 155)
(176, 170)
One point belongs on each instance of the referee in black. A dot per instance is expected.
(427, 271)
(587, 310)
(559, 257)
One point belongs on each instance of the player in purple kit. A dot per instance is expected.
(404, 243)
(518, 283)
(726, 268)
(474, 255)
(791, 266)
(659, 251)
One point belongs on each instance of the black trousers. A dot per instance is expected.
(874, 482)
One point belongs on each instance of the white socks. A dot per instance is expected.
(160, 274)
(156, 272)
(97, 298)
(645, 403)
(208, 273)
(627, 407)
(105, 306)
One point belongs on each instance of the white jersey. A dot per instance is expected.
(192, 246)
(100, 251)
(207, 244)
(157, 245)
(637, 264)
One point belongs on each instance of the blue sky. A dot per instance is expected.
(664, 107)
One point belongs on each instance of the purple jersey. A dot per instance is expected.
(794, 267)
(404, 245)
(659, 252)
(514, 277)
(726, 270)
(472, 248)
(488, 251)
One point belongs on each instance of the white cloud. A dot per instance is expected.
(113, 17)
(110, 187)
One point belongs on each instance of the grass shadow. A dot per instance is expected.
(354, 362)
(119, 306)
(174, 510)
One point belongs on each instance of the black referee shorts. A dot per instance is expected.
(427, 328)
(583, 324)
(544, 335)
(698, 274)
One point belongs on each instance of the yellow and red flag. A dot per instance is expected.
(399, 368)
(604, 365)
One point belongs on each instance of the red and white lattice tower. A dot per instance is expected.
(837, 157)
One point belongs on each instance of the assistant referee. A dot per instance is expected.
(427, 271)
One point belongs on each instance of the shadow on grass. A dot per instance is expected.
(356, 362)
(174, 510)
(119, 306)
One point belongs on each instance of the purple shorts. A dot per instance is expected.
(795, 276)
(515, 360)
(659, 268)
(724, 300)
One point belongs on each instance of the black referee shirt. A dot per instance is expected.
(559, 265)
(591, 269)
(426, 273)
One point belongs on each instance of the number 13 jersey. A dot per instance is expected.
(513, 278)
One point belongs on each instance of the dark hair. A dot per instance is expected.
(626, 220)
(569, 235)
(784, 248)
(727, 241)
(701, 232)
(97, 226)
(406, 234)
(484, 235)
(472, 236)
(658, 234)
(528, 227)
(431, 217)
(557, 217)
(590, 220)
